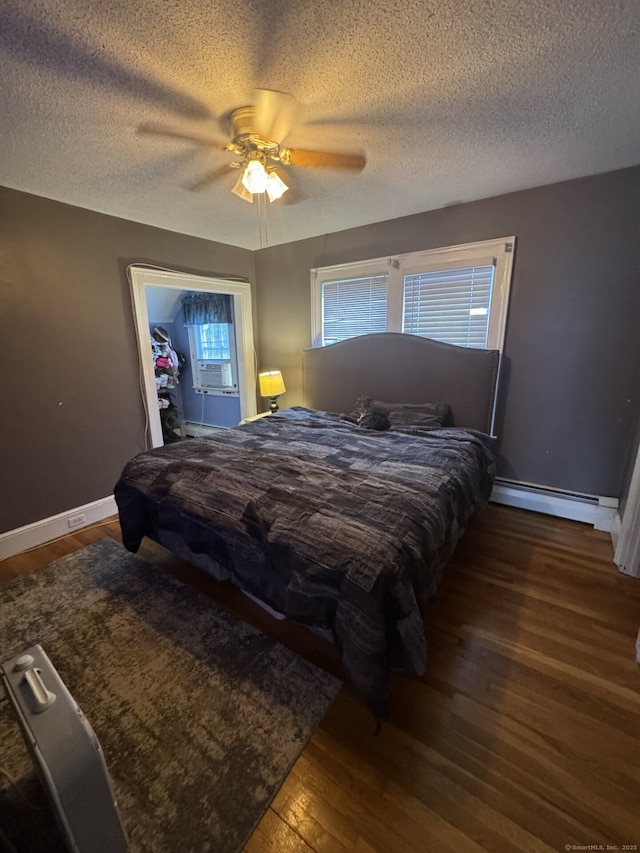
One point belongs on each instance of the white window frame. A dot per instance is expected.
(381, 302)
(361, 269)
(499, 252)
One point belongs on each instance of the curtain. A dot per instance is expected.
(200, 308)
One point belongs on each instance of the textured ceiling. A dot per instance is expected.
(451, 101)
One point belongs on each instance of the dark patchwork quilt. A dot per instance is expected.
(339, 527)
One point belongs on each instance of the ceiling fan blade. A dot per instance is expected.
(322, 159)
(209, 178)
(159, 130)
(274, 113)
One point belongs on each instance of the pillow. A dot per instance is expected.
(406, 414)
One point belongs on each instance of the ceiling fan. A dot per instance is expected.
(257, 133)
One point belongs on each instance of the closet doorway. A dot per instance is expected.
(143, 278)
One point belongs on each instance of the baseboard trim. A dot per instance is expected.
(598, 510)
(189, 429)
(47, 529)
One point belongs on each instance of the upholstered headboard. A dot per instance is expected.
(402, 368)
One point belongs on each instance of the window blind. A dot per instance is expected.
(449, 305)
(355, 306)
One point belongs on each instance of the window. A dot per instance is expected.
(213, 358)
(212, 340)
(449, 305)
(458, 294)
(353, 307)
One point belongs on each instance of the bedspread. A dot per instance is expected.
(337, 527)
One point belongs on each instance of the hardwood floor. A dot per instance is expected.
(524, 735)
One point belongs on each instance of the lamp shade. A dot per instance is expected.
(271, 383)
(255, 177)
(276, 187)
(241, 191)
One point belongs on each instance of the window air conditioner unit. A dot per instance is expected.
(211, 375)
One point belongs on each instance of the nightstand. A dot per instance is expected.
(254, 417)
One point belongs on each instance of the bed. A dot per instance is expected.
(339, 514)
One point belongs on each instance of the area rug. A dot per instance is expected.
(199, 715)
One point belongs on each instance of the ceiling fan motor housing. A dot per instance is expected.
(245, 139)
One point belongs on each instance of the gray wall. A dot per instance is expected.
(70, 403)
(569, 405)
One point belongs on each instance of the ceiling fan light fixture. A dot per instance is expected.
(241, 191)
(276, 187)
(257, 132)
(255, 177)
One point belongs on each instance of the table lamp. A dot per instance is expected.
(271, 385)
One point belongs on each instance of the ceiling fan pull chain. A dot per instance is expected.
(262, 220)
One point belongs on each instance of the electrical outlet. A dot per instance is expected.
(77, 520)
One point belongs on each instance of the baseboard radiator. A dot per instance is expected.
(598, 510)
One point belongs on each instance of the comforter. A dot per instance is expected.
(332, 525)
